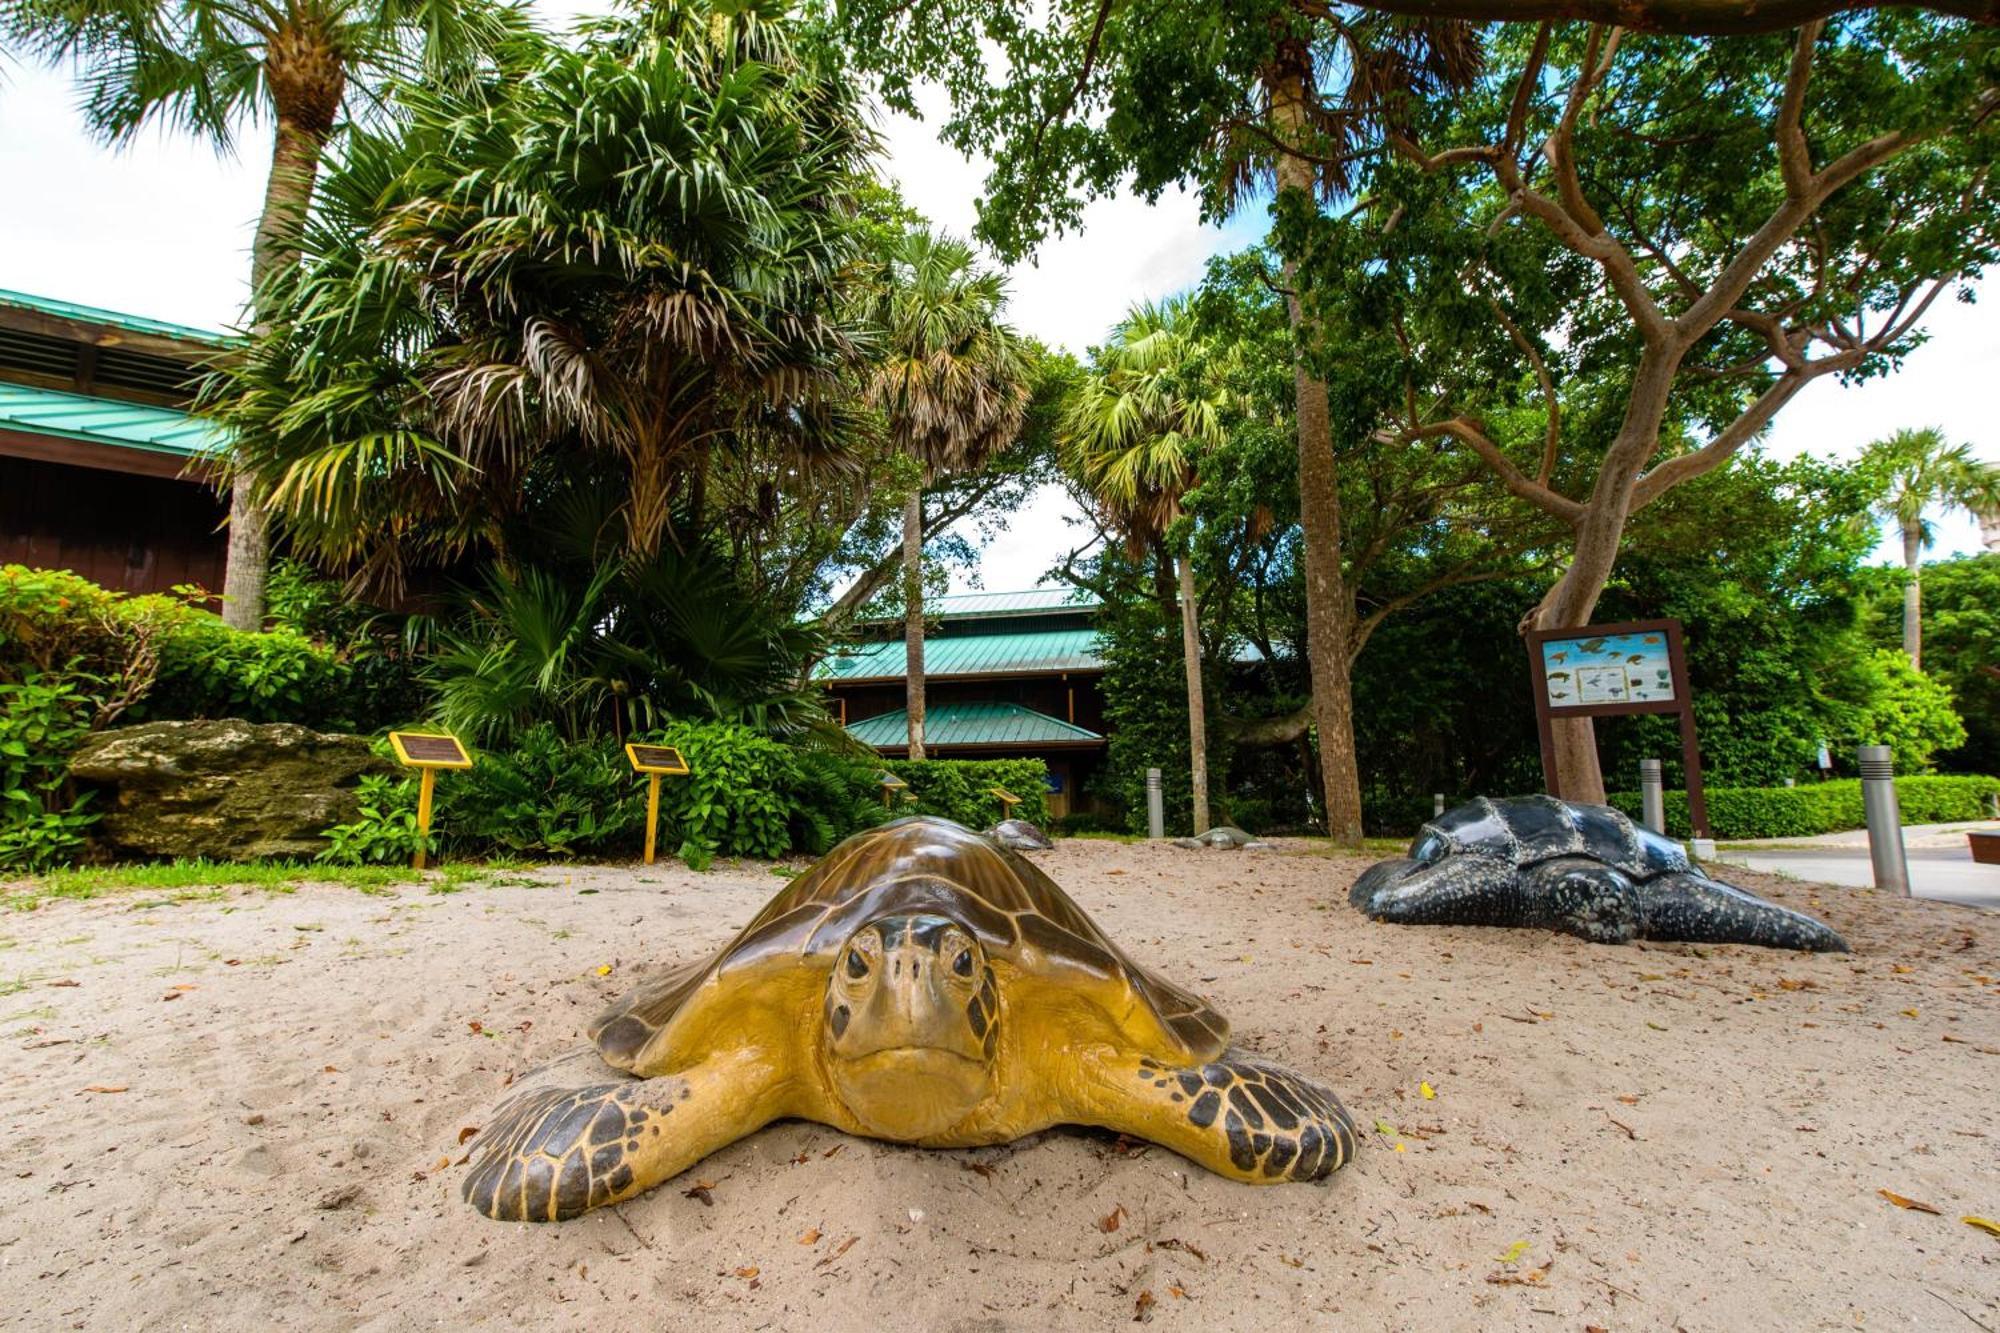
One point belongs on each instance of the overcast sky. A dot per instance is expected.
(162, 228)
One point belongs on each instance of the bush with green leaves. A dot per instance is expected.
(42, 821)
(1821, 807)
(962, 789)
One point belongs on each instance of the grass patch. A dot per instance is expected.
(187, 881)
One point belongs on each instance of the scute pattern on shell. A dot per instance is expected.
(1528, 830)
(919, 865)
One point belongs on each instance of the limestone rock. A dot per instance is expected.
(223, 789)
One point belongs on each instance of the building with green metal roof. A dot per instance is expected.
(102, 469)
(1006, 674)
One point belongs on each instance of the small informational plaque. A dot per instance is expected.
(1007, 798)
(424, 750)
(656, 759)
(890, 782)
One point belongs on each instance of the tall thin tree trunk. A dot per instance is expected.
(1913, 596)
(295, 159)
(1329, 607)
(1197, 706)
(913, 617)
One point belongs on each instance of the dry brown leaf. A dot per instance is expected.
(1142, 1305)
(1111, 1220)
(1174, 1243)
(838, 1250)
(467, 1133)
(978, 1168)
(1177, 1291)
(701, 1191)
(171, 995)
(441, 1164)
(329, 1069)
(66, 981)
(747, 1272)
(109, 1087)
(809, 1237)
(1913, 1205)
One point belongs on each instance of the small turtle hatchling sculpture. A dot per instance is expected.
(1020, 835)
(1586, 869)
(921, 984)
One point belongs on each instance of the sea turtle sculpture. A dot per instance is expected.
(1586, 869)
(1225, 836)
(921, 984)
(1020, 835)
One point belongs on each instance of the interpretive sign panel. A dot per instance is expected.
(422, 750)
(657, 759)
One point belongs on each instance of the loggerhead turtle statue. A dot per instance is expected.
(1544, 863)
(923, 985)
(1225, 836)
(1020, 835)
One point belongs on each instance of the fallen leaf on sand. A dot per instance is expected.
(1985, 1224)
(748, 1272)
(1429, 1093)
(838, 1250)
(66, 981)
(809, 1237)
(701, 1191)
(979, 1168)
(1514, 1252)
(1912, 1204)
(604, 970)
(1111, 1220)
(1909, 1013)
(441, 1164)
(467, 1133)
(171, 995)
(108, 1087)
(1177, 1291)
(1175, 1243)
(1142, 1305)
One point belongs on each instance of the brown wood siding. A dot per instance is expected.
(131, 533)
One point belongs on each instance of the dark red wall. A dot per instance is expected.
(135, 534)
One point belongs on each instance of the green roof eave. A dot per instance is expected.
(105, 421)
(113, 319)
(987, 725)
(1029, 653)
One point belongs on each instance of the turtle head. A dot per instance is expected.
(912, 1020)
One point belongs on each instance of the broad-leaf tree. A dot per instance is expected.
(1617, 262)
(211, 68)
(1920, 472)
(953, 381)
(1134, 434)
(626, 258)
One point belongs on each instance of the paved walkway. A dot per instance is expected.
(1940, 860)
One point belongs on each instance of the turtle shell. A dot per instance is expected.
(917, 864)
(1527, 830)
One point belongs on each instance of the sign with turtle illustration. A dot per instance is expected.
(921, 984)
(1637, 666)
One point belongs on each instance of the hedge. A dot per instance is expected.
(1821, 807)
(961, 789)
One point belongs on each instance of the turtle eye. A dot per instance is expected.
(962, 964)
(857, 966)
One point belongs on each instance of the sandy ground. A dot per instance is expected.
(1621, 1138)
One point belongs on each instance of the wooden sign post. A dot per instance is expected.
(1635, 666)
(427, 753)
(1008, 800)
(655, 761)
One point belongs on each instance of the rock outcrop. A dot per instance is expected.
(223, 789)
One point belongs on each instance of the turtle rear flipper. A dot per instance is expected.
(1701, 910)
(553, 1153)
(1238, 1116)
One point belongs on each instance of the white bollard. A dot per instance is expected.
(1437, 803)
(1652, 796)
(1156, 806)
(1885, 819)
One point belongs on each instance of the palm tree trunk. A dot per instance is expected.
(307, 84)
(1913, 597)
(913, 617)
(1197, 705)
(1329, 606)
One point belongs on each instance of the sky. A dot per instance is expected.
(162, 228)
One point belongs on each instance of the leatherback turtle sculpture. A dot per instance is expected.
(921, 984)
(1226, 836)
(1020, 835)
(1586, 869)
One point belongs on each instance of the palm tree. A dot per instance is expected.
(1917, 471)
(1134, 434)
(209, 66)
(622, 262)
(953, 384)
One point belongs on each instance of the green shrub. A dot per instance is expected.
(1820, 807)
(386, 832)
(544, 796)
(42, 823)
(961, 789)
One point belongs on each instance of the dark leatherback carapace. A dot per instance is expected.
(1539, 862)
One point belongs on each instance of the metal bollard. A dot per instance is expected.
(1885, 819)
(1437, 803)
(1156, 806)
(1652, 796)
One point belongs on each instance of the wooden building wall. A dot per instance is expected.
(132, 533)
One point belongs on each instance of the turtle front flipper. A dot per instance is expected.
(1238, 1116)
(1693, 907)
(553, 1153)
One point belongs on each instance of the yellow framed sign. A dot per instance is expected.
(656, 762)
(893, 786)
(1008, 800)
(427, 752)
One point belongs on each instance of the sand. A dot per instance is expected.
(1647, 1137)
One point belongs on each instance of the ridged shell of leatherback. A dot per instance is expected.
(1539, 862)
